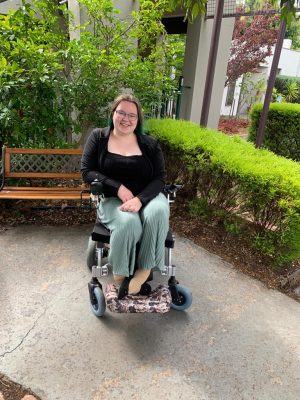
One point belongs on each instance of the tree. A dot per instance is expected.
(251, 91)
(31, 111)
(252, 42)
(113, 54)
(192, 8)
(50, 85)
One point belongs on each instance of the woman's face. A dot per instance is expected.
(125, 117)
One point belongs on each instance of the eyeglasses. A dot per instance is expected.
(123, 114)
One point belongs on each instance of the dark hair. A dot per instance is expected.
(132, 99)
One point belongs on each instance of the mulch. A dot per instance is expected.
(14, 391)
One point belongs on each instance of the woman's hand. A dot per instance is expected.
(124, 194)
(133, 205)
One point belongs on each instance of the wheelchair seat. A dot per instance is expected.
(101, 234)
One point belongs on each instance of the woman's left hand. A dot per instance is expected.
(132, 205)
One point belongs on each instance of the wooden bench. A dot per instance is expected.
(44, 166)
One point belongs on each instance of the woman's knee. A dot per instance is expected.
(158, 215)
(129, 224)
(157, 210)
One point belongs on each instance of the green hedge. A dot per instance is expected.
(232, 178)
(282, 132)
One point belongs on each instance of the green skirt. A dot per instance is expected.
(148, 227)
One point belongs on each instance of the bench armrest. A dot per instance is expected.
(2, 174)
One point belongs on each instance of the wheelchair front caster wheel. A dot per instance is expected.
(185, 299)
(98, 306)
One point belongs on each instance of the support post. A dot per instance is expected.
(213, 52)
(178, 99)
(271, 82)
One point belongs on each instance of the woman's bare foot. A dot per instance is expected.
(138, 279)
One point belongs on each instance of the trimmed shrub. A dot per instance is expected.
(233, 179)
(282, 132)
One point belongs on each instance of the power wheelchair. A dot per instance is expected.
(180, 298)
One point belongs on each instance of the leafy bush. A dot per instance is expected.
(232, 178)
(284, 85)
(52, 87)
(282, 132)
(31, 112)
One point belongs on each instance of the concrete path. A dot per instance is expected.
(238, 341)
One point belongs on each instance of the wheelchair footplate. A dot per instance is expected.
(158, 301)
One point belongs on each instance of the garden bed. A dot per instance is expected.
(234, 126)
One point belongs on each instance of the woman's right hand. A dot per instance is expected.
(124, 194)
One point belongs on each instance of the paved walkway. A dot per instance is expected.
(238, 341)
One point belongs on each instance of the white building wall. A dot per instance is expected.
(195, 68)
(289, 62)
(80, 15)
(126, 6)
(232, 109)
(9, 5)
(73, 6)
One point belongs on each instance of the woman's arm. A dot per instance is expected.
(159, 174)
(90, 162)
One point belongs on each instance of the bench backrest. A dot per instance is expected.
(41, 163)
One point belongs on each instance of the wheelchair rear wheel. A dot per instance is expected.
(185, 299)
(99, 306)
(91, 255)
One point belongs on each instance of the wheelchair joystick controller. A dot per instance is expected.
(96, 187)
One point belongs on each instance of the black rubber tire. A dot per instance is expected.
(186, 299)
(99, 308)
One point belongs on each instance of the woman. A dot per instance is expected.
(131, 167)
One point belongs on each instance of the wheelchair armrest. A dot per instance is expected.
(172, 189)
(96, 187)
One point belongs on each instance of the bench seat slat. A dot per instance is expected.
(44, 189)
(53, 193)
(41, 196)
(15, 150)
(58, 175)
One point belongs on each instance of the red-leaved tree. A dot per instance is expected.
(252, 41)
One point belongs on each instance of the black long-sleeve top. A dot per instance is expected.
(93, 165)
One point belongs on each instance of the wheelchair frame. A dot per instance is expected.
(181, 297)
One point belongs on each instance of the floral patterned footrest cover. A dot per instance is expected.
(158, 301)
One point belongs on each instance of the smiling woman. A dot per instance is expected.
(123, 141)
(131, 167)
